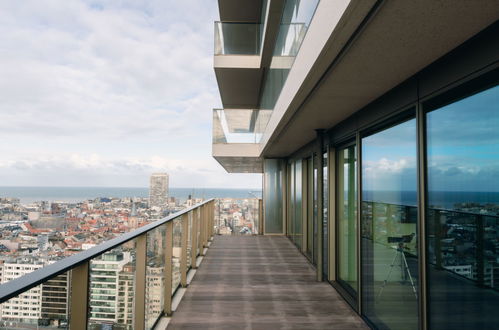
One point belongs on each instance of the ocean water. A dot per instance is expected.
(443, 199)
(76, 194)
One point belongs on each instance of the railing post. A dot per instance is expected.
(183, 257)
(167, 308)
(206, 226)
(139, 307)
(194, 239)
(480, 248)
(79, 296)
(438, 239)
(211, 224)
(201, 231)
(213, 216)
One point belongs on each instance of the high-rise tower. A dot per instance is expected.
(158, 190)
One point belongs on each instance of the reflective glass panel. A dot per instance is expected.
(45, 306)
(389, 236)
(310, 211)
(155, 275)
(112, 285)
(325, 201)
(347, 217)
(463, 216)
(273, 196)
(298, 204)
(177, 253)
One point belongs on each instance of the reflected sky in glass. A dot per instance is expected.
(463, 144)
(389, 159)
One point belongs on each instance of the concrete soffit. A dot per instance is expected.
(356, 51)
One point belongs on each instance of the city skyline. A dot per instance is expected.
(76, 112)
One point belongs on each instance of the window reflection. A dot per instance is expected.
(347, 214)
(389, 237)
(463, 216)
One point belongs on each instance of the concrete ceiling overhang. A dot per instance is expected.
(399, 39)
(238, 157)
(240, 10)
(239, 87)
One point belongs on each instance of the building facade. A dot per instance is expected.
(158, 190)
(27, 307)
(111, 290)
(374, 124)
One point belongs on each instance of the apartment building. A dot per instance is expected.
(25, 308)
(110, 289)
(158, 190)
(374, 124)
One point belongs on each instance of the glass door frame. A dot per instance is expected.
(350, 295)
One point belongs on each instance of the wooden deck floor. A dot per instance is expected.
(260, 282)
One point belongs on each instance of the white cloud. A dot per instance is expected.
(384, 166)
(90, 89)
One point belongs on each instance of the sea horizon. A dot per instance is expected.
(30, 194)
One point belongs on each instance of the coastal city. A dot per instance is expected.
(40, 233)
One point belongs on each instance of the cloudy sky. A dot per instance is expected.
(102, 93)
(463, 149)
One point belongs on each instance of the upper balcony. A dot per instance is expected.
(237, 63)
(236, 137)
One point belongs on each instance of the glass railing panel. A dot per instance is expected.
(237, 38)
(463, 243)
(237, 216)
(45, 306)
(197, 230)
(112, 285)
(177, 253)
(294, 25)
(238, 125)
(189, 239)
(155, 275)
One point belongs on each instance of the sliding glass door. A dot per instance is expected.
(389, 236)
(347, 218)
(462, 223)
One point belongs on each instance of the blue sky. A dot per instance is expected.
(463, 149)
(103, 93)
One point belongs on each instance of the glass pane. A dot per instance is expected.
(347, 217)
(237, 215)
(325, 201)
(389, 236)
(463, 214)
(310, 211)
(189, 240)
(293, 27)
(112, 277)
(273, 196)
(45, 306)
(238, 125)
(315, 208)
(155, 276)
(298, 204)
(290, 201)
(177, 253)
(237, 38)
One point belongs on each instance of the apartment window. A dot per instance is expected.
(389, 236)
(462, 222)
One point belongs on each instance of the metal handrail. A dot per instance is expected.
(21, 284)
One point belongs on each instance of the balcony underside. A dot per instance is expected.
(363, 59)
(238, 157)
(239, 86)
(240, 11)
(260, 282)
